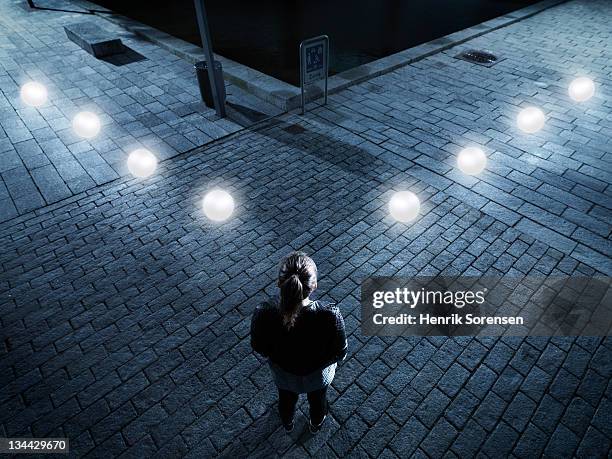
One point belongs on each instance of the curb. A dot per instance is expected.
(286, 96)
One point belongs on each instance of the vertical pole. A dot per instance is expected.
(326, 66)
(302, 76)
(208, 53)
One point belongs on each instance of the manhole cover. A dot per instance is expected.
(294, 129)
(479, 57)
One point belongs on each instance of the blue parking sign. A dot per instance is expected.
(314, 58)
(314, 65)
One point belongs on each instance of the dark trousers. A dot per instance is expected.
(317, 400)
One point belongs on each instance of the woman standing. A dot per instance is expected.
(302, 339)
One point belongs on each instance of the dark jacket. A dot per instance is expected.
(316, 340)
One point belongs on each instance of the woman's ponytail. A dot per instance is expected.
(297, 279)
(292, 294)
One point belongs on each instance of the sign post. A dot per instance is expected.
(314, 64)
(208, 53)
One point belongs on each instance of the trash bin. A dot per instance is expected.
(204, 82)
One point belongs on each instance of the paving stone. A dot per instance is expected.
(409, 437)
(501, 213)
(404, 405)
(349, 402)
(489, 411)
(348, 435)
(7, 209)
(594, 444)
(546, 235)
(519, 412)
(9, 160)
(592, 258)
(591, 387)
(375, 404)
(31, 154)
(602, 417)
(22, 190)
(376, 439)
(501, 441)
(453, 380)
(577, 416)
(50, 184)
(432, 407)
(531, 443)
(563, 386)
(508, 383)
(461, 409)
(439, 439)
(469, 441)
(547, 414)
(562, 443)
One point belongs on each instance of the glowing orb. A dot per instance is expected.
(218, 205)
(404, 206)
(141, 163)
(86, 124)
(531, 120)
(471, 161)
(33, 94)
(581, 89)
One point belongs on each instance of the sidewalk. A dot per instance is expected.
(146, 97)
(125, 312)
(554, 185)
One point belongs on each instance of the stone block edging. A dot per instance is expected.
(286, 96)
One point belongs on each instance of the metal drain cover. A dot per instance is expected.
(294, 129)
(479, 57)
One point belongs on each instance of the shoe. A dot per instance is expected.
(315, 428)
(289, 427)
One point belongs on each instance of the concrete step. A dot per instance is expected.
(93, 39)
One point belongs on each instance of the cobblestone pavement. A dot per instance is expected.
(554, 186)
(145, 98)
(125, 313)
